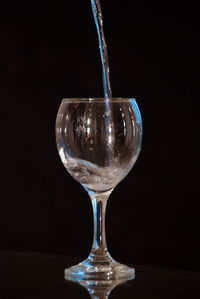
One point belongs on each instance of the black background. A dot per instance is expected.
(50, 51)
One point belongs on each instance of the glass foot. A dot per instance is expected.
(99, 268)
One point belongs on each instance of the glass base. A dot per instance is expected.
(101, 268)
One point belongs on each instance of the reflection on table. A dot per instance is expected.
(24, 275)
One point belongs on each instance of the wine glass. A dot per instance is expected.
(99, 141)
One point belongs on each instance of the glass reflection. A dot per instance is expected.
(100, 289)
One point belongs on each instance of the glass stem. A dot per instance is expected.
(99, 247)
(99, 296)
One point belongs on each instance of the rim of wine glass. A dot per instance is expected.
(113, 100)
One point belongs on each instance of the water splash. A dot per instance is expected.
(109, 135)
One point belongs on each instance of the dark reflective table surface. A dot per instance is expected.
(42, 276)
